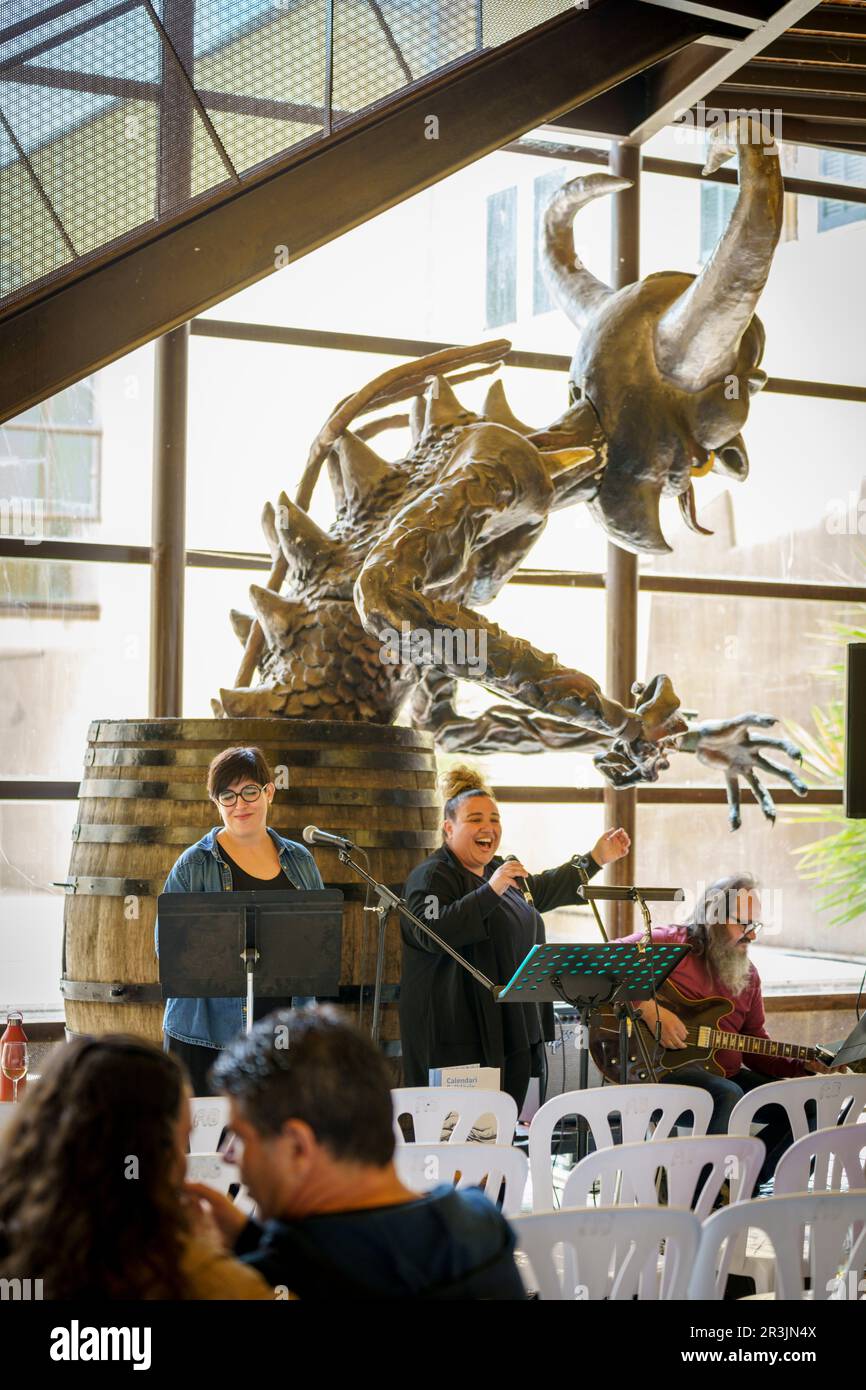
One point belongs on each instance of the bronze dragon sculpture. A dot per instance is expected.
(659, 391)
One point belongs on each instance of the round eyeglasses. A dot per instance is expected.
(249, 793)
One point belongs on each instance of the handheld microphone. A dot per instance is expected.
(520, 883)
(314, 836)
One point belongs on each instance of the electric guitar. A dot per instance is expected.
(705, 1039)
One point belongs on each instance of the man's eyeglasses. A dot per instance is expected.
(248, 793)
(756, 927)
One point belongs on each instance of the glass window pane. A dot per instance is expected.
(727, 656)
(37, 839)
(74, 647)
(79, 465)
(212, 652)
(501, 258)
(689, 847)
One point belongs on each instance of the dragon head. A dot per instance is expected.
(668, 364)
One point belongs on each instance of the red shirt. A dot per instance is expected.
(694, 979)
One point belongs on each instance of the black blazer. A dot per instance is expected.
(446, 1018)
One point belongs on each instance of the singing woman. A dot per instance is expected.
(242, 855)
(470, 898)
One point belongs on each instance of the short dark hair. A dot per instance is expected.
(716, 905)
(234, 763)
(327, 1074)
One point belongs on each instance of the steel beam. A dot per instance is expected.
(620, 806)
(124, 300)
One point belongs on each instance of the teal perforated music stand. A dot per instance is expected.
(587, 974)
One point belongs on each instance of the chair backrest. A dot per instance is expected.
(839, 1156)
(830, 1227)
(209, 1116)
(643, 1112)
(830, 1093)
(488, 1166)
(430, 1106)
(608, 1253)
(626, 1173)
(211, 1169)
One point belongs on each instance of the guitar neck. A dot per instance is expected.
(741, 1042)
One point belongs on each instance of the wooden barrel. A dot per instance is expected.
(143, 800)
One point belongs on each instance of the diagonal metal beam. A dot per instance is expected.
(128, 299)
(672, 97)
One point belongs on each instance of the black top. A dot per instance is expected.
(242, 882)
(446, 1017)
(445, 1245)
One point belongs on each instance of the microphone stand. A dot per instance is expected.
(389, 901)
(628, 1021)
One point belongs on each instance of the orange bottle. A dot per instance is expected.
(14, 1033)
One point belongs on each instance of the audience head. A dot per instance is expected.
(310, 1099)
(92, 1170)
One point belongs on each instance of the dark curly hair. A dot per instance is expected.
(91, 1195)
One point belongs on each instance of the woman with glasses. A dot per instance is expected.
(243, 854)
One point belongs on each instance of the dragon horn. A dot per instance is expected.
(698, 338)
(577, 291)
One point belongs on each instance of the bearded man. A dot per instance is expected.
(725, 922)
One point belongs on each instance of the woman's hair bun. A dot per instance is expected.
(462, 778)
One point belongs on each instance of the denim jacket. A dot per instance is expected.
(215, 1022)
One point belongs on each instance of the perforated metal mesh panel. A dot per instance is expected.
(117, 114)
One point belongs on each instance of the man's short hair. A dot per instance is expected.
(313, 1065)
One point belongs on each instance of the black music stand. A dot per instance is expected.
(587, 975)
(227, 945)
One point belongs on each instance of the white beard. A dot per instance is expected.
(728, 963)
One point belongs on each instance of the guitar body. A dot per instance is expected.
(695, 1014)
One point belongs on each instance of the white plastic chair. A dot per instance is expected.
(607, 1253)
(636, 1106)
(830, 1226)
(424, 1166)
(626, 1173)
(839, 1155)
(430, 1106)
(830, 1094)
(209, 1116)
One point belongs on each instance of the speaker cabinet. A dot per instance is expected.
(855, 733)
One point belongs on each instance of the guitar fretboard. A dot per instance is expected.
(741, 1042)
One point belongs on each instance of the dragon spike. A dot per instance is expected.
(443, 409)
(361, 469)
(241, 624)
(304, 544)
(276, 614)
(497, 409)
(416, 418)
(239, 702)
(269, 527)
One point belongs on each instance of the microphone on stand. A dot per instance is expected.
(520, 883)
(314, 836)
